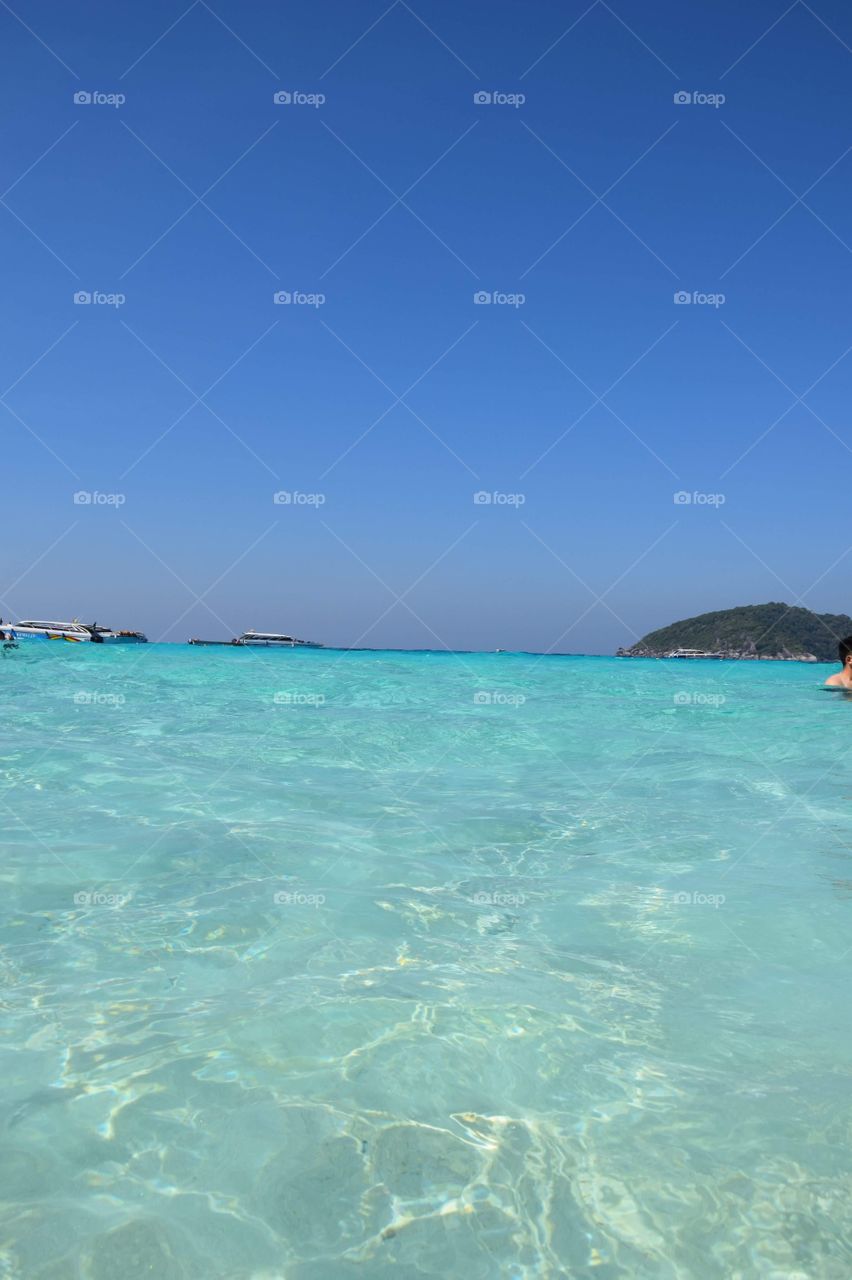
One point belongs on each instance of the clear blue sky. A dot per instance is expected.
(199, 197)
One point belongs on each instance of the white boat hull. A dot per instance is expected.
(272, 644)
(25, 634)
(270, 640)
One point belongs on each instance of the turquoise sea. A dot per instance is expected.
(321, 964)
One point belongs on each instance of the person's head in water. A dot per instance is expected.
(844, 653)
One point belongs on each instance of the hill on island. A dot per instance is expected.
(772, 630)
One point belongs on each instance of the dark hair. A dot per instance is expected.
(844, 649)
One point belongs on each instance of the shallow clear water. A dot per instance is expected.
(323, 964)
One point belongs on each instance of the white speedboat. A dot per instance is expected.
(272, 638)
(74, 632)
(691, 653)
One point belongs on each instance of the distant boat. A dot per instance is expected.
(691, 653)
(106, 635)
(268, 638)
(264, 639)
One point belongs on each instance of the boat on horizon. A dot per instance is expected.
(265, 640)
(106, 635)
(692, 653)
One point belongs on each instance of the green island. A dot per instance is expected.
(774, 631)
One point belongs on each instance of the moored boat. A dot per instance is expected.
(106, 635)
(270, 638)
(262, 639)
(74, 631)
(691, 653)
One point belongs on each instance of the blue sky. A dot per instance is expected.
(582, 395)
